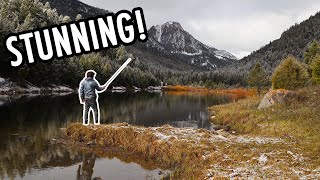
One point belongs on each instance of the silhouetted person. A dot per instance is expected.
(88, 95)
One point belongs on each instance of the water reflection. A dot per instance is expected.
(85, 170)
(30, 156)
(147, 109)
(30, 125)
(22, 153)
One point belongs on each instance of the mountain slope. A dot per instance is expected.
(171, 39)
(294, 41)
(74, 7)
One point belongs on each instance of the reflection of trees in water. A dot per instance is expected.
(152, 109)
(149, 109)
(123, 107)
(22, 153)
(40, 111)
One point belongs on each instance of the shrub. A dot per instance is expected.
(315, 68)
(311, 52)
(290, 74)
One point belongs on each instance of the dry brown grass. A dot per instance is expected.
(297, 121)
(235, 94)
(185, 88)
(197, 154)
(171, 153)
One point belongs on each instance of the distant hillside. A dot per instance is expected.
(293, 41)
(74, 7)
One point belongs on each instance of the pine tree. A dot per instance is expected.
(78, 17)
(4, 8)
(25, 9)
(121, 53)
(27, 24)
(290, 74)
(315, 68)
(313, 49)
(257, 77)
(66, 19)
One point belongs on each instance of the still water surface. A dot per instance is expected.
(29, 125)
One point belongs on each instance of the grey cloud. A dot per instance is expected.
(233, 25)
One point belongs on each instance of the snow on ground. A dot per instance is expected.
(222, 54)
(8, 87)
(191, 54)
(237, 156)
(241, 54)
(258, 140)
(263, 159)
(2, 80)
(158, 33)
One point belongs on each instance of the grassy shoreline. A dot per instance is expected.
(298, 120)
(279, 142)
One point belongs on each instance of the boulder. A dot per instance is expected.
(2, 81)
(274, 97)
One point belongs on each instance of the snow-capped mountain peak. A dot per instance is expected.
(171, 38)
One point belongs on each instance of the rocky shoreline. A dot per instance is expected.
(8, 87)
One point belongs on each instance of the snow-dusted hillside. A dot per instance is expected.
(241, 54)
(222, 54)
(74, 7)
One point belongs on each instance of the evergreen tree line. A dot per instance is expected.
(290, 73)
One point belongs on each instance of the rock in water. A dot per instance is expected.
(2, 81)
(274, 97)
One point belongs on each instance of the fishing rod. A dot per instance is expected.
(116, 74)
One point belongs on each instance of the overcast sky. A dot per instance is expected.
(232, 25)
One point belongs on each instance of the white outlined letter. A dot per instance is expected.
(61, 40)
(106, 31)
(93, 34)
(121, 29)
(80, 37)
(26, 37)
(40, 45)
(14, 51)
